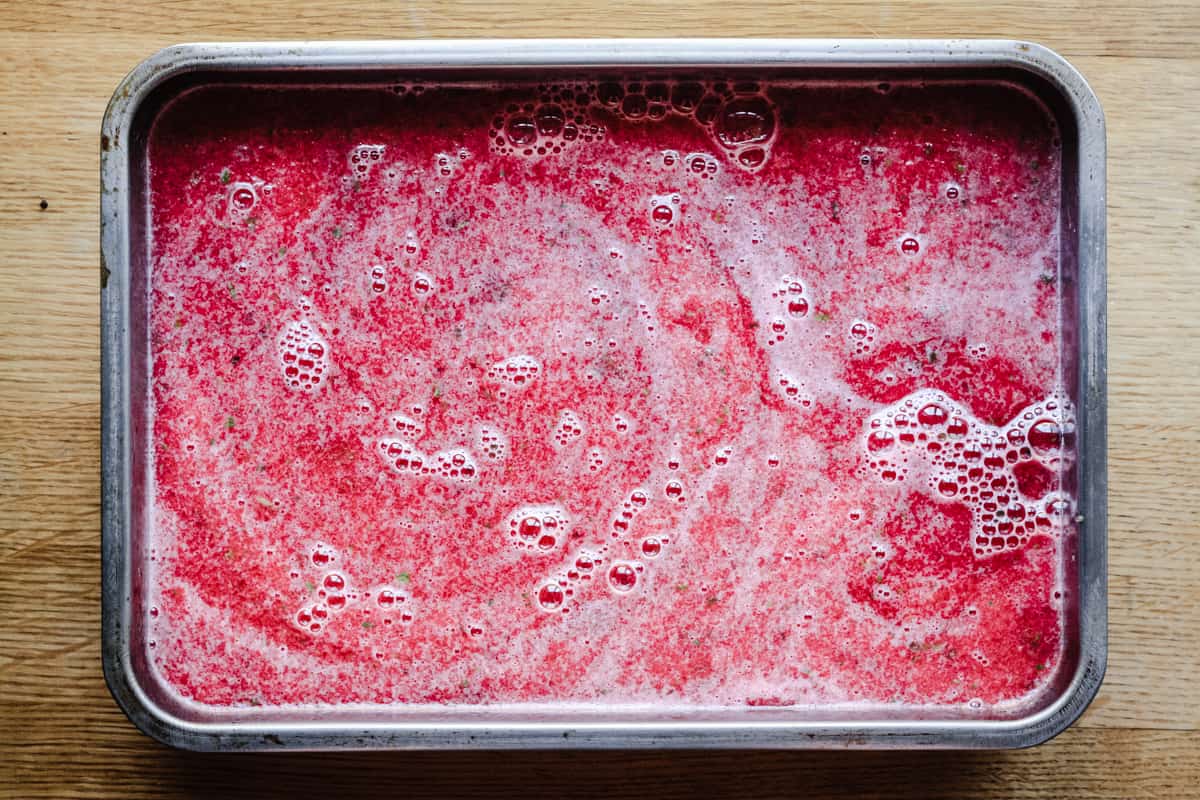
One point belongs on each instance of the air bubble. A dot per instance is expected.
(622, 577)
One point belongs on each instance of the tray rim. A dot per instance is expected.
(879, 54)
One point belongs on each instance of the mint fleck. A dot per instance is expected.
(282, 252)
(312, 587)
(367, 624)
(229, 423)
(226, 175)
(960, 168)
(437, 391)
(232, 290)
(681, 587)
(823, 316)
(337, 232)
(403, 577)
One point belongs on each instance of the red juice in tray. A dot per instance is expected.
(678, 393)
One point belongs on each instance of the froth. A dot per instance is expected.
(936, 445)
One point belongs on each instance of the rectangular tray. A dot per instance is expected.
(125, 424)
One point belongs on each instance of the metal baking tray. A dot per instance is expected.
(125, 265)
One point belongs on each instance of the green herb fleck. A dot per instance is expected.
(695, 642)
(681, 587)
(211, 441)
(403, 577)
(464, 684)
(1040, 667)
(179, 322)
(367, 624)
(229, 423)
(822, 316)
(312, 587)
(232, 290)
(226, 175)
(960, 168)
(282, 252)
(437, 391)
(337, 232)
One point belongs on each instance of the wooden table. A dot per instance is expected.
(62, 736)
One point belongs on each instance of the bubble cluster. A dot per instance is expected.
(303, 356)
(328, 593)
(568, 429)
(596, 460)
(406, 426)
(739, 118)
(378, 278)
(861, 337)
(558, 119)
(362, 158)
(405, 458)
(447, 164)
(790, 295)
(491, 442)
(538, 528)
(793, 390)
(598, 296)
(935, 443)
(517, 372)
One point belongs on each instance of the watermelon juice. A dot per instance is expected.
(683, 393)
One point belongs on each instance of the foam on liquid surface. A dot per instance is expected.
(689, 393)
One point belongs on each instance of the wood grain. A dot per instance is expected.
(61, 735)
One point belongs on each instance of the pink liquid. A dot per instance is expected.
(673, 393)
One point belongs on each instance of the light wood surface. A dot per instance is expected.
(62, 736)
